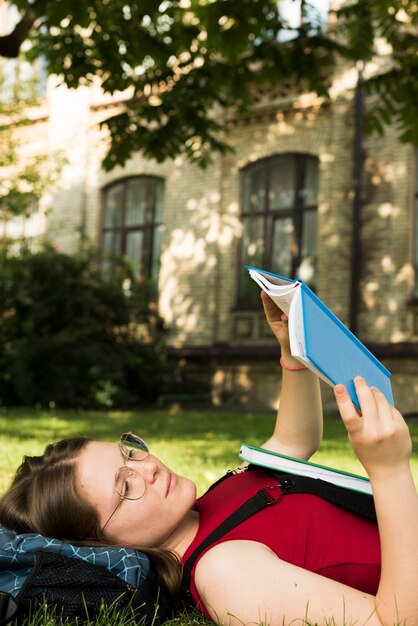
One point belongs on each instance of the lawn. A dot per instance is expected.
(200, 444)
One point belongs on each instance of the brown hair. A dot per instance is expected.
(43, 499)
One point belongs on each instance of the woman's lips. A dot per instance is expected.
(171, 482)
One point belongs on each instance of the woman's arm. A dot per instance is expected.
(244, 582)
(381, 440)
(298, 428)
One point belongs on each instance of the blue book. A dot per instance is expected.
(319, 340)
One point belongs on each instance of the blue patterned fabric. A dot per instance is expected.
(18, 555)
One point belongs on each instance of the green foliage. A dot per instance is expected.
(70, 337)
(394, 85)
(23, 178)
(187, 61)
(183, 64)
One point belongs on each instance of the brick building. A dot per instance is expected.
(283, 200)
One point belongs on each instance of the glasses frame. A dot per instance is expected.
(125, 457)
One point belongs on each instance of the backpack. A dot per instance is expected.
(354, 501)
(77, 581)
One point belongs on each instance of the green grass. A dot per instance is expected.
(198, 444)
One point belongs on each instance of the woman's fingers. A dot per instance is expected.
(270, 307)
(349, 414)
(374, 405)
(275, 317)
(380, 436)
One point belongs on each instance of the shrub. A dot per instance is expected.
(71, 337)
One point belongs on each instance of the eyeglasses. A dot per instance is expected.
(129, 485)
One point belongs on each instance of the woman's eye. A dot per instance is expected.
(125, 489)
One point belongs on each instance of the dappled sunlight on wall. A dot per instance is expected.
(185, 255)
(281, 126)
(382, 315)
(387, 210)
(242, 384)
(405, 274)
(188, 278)
(273, 130)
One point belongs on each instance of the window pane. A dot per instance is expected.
(282, 183)
(252, 241)
(294, 15)
(113, 206)
(281, 260)
(156, 251)
(252, 247)
(158, 193)
(134, 244)
(306, 270)
(136, 202)
(111, 243)
(110, 249)
(254, 189)
(309, 191)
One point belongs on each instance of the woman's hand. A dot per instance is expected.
(379, 435)
(298, 428)
(277, 321)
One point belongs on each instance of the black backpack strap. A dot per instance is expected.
(354, 501)
(264, 497)
(8, 607)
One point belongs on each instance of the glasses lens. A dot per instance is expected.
(129, 484)
(133, 447)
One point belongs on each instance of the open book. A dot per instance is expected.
(319, 340)
(273, 460)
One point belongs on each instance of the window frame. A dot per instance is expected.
(148, 227)
(296, 213)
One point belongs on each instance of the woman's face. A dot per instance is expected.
(164, 499)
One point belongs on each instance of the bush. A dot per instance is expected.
(71, 337)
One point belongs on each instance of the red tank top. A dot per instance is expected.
(302, 529)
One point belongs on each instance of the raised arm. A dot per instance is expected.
(243, 582)
(381, 440)
(298, 428)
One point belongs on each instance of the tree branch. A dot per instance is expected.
(10, 44)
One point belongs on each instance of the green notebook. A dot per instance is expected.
(273, 460)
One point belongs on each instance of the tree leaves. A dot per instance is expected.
(185, 61)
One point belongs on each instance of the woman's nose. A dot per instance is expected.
(148, 469)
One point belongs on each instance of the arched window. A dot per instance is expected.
(132, 224)
(279, 202)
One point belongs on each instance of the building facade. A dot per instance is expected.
(286, 199)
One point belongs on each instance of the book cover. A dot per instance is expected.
(274, 460)
(320, 340)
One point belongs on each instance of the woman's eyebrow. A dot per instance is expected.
(115, 476)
